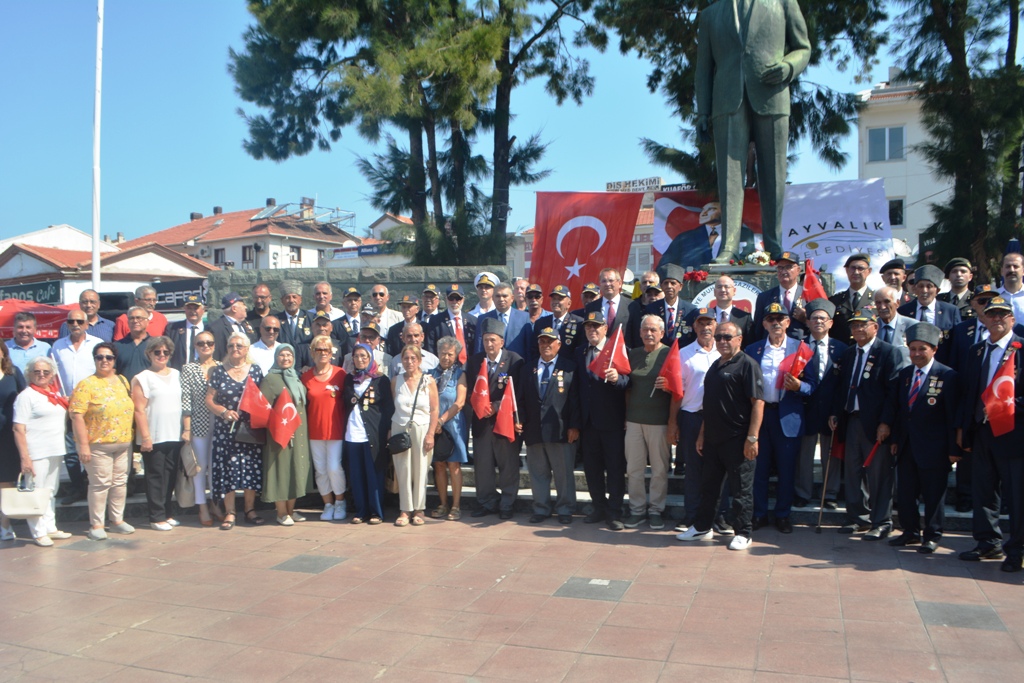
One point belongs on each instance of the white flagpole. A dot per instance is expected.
(96, 149)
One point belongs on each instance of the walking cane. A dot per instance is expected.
(824, 484)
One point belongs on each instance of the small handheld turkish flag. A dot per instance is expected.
(793, 364)
(284, 420)
(255, 403)
(613, 355)
(998, 397)
(481, 398)
(812, 285)
(672, 371)
(505, 425)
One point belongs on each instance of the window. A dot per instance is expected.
(219, 257)
(248, 253)
(321, 255)
(639, 258)
(295, 252)
(885, 144)
(896, 213)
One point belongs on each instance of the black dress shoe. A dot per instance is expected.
(534, 519)
(964, 506)
(928, 546)
(481, 512)
(1013, 563)
(853, 528)
(505, 514)
(758, 523)
(906, 538)
(565, 519)
(615, 524)
(831, 505)
(878, 533)
(983, 552)
(784, 525)
(595, 517)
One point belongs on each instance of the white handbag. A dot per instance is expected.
(25, 500)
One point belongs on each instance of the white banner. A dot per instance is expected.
(830, 221)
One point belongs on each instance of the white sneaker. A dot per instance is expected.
(7, 533)
(59, 535)
(158, 526)
(286, 520)
(339, 511)
(296, 517)
(692, 534)
(173, 522)
(122, 528)
(328, 513)
(97, 535)
(43, 542)
(739, 543)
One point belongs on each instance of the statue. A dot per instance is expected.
(748, 52)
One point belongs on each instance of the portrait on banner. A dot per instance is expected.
(688, 228)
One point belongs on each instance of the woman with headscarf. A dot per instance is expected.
(287, 474)
(368, 393)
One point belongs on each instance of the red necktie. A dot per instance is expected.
(671, 317)
(915, 389)
(611, 314)
(786, 301)
(461, 338)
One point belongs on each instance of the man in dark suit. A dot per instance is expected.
(568, 326)
(922, 414)
(296, 323)
(725, 291)
(548, 395)
(894, 274)
(232, 321)
(613, 306)
(997, 461)
(183, 333)
(430, 298)
(927, 280)
(351, 302)
(591, 292)
(673, 309)
(454, 323)
(410, 307)
(516, 323)
(970, 331)
(492, 451)
(855, 297)
(603, 427)
(783, 421)
(959, 273)
(700, 246)
(824, 367)
(867, 376)
(789, 293)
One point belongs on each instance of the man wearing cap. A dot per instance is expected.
(589, 293)
(232, 321)
(725, 311)
(368, 314)
(614, 306)
(650, 288)
(927, 280)
(323, 294)
(892, 326)
(894, 274)
(568, 325)
(183, 333)
(485, 283)
(602, 427)
(430, 300)
(922, 415)
(789, 293)
(296, 324)
(370, 335)
(386, 317)
(549, 415)
(823, 367)
(454, 323)
(351, 303)
(783, 421)
(410, 307)
(958, 272)
(866, 383)
(262, 352)
(535, 304)
(672, 309)
(261, 301)
(996, 462)
(855, 297)
(491, 451)
(145, 297)
(516, 323)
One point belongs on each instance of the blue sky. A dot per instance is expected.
(172, 140)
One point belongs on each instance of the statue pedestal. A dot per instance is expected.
(750, 281)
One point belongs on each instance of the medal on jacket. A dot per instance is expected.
(502, 380)
(867, 370)
(561, 381)
(306, 330)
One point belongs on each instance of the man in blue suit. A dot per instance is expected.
(700, 246)
(868, 373)
(922, 414)
(789, 293)
(517, 323)
(927, 280)
(783, 421)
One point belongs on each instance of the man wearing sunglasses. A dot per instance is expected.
(379, 297)
(89, 303)
(454, 323)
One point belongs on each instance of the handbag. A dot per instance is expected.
(444, 446)
(401, 442)
(25, 500)
(184, 490)
(247, 434)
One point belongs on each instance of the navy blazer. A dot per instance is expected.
(797, 329)
(517, 332)
(682, 328)
(1007, 445)
(946, 315)
(692, 248)
(572, 335)
(840, 325)
(222, 329)
(622, 314)
(602, 404)
(954, 352)
(509, 365)
(303, 328)
(819, 403)
(791, 404)
(442, 326)
(178, 333)
(928, 429)
(881, 365)
(548, 419)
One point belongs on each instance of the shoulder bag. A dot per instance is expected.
(24, 501)
(401, 442)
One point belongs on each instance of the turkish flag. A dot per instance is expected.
(871, 455)
(481, 397)
(577, 234)
(812, 285)
(613, 355)
(255, 403)
(999, 395)
(284, 420)
(794, 364)
(505, 424)
(672, 371)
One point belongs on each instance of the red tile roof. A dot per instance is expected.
(59, 258)
(66, 259)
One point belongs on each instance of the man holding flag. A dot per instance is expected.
(992, 433)
(488, 373)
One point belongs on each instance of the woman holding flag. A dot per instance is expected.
(416, 414)
(366, 429)
(235, 465)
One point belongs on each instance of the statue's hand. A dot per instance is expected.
(776, 73)
(703, 135)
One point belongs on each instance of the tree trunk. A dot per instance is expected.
(502, 118)
(430, 128)
(418, 192)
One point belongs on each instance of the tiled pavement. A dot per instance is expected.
(500, 601)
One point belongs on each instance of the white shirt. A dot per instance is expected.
(771, 359)
(725, 314)
(1016, 300)
(333, 312)
(864, 363)
(822, 354)
(695, 362)
(478, 311)
(356, 431)
(263, 355)
(997, 355)
(73, 365)
(44, 424)
(163, 407)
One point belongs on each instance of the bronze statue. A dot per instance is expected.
(748, 52)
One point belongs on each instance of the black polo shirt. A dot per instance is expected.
(729, 387)
(131, 357)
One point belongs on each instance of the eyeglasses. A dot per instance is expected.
(534, 296)
(237, 346)
(275, 330)
(205, 343)
(321, 350)
(102, 357)
(455, 297)
(377, 294)
(161, 352)
(73, 321)
(44, 373)
(724, 337)
(138, 317)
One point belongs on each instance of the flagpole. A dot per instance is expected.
(98, 100)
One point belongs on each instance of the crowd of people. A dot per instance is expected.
(890, 388)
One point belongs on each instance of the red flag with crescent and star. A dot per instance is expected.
(812, 285)
(481, 398)
(255, 403)
(998, 397)
(505, 423)
(576, 234)
(284, 420)
(613, 355)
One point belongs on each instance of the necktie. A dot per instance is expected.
(670, 322)
(915, 388)
(504, 318)
(491, 366)
(544, 379)
(822, 358)
(723, 317)
(192, 344)
(851, 398)
(986, 367)
(853, 300)
(462, 339)
(355, 324)
(887, 334)
(610, 321)
(922, 314)
(712, 236)
(292, 320)
(787, 300)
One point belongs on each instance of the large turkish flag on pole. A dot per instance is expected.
(578, 233)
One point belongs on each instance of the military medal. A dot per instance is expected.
(931, 400)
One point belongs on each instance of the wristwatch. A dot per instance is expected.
(752, 439)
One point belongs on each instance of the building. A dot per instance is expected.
(888, 130)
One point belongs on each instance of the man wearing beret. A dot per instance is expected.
(868, 375)
(927, 280)
(789, 293)
(922, 415)
(997, 460)
(958, 272)
(894, 274)
(855, 297)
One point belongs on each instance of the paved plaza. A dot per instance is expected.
(510, 601)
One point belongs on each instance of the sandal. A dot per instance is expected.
(439, 512)
(375, 520)
(454, 514)
(357, 520)
(418, 521)
(402, 521)
(228, 524)
(253, 518)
